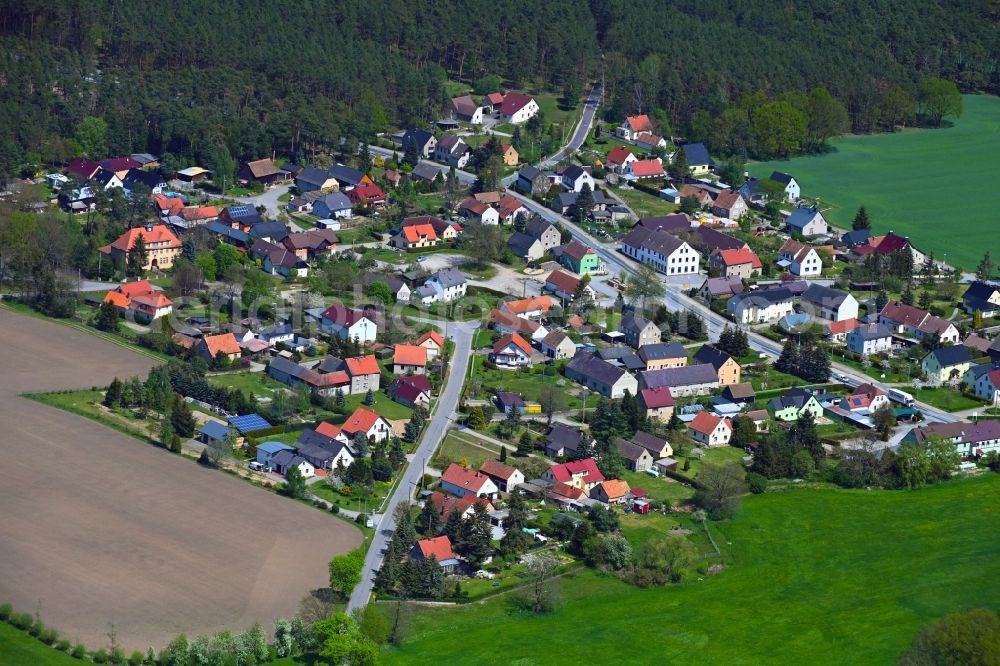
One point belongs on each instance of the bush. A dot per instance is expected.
(63, 645)
(757, 483)
(101, 656)
(79, 652)
(22, 620)
(5, 612)
(334, 509)
(135, 659)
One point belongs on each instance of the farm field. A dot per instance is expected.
(99, 527)
(924, 184)
(813, 576)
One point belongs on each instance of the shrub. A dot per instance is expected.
(757, 483)
(5, 612)
(21, 620)
(335, 509)
(135, 659)
(101, 656)
(63, 645)
(79, 652)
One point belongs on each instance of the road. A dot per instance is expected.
(444, 415)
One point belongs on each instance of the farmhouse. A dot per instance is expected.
(518, 108)
(463, 108)
(684, 381)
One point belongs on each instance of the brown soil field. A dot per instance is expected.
(99, 528)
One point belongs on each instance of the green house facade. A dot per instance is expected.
(580, 259)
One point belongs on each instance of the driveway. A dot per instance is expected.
(506, 281)
(269, 200)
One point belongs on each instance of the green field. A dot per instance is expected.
(17, 647)
(926, 184)
(812, 577)
(948, 399)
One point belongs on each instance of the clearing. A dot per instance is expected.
(813, 576)
(925, 184)
(99, 527)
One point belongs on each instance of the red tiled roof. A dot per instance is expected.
(585, 467)
(640, 123)
(467, 479)
(413, 233)
(577, 250)
(362, 365)
(170, 204)
(507, 320)
(742, 256)
(158, 233)
(508, 206)
(618, 155)
(522, 305)
(615, 488)
(563, 281)
(137, 288)
(409, 355)
(445, 504)
(646, 168)
(224, 342)
(727, 199)
(569, 492)
(903, 314)
(492, 467)
(654, 398)
(432, 336)
(474, 206)
(649, 139)
(366, 192)
(154, 300)
(439, 547)
(516, 340)
(514, 102)
(199, 213)
(118, 298)
(340, 314)
(495, 98)
(706, 423)
(845, 326)
(328, 430)
(361, 420)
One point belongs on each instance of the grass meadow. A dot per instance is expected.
(926, 184)
(812, 576)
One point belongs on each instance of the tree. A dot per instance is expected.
(778, 129)
(925, 299)
(345, 571)
(479, 535)
(907, 297)
(985, 268)
(584, 205)
(723, 486)
(551, 399)
(429, 522)
(913, 465)
(137, 258)
(895, 108)
(360, 444)
(107, 317)
(788, 361)
(645, 285)
(187, 278)
(942, 457)
(968, 637)
(881, 298)
(182, 419)
(369, 398)
(167, 433)
(861, 220)
(411, 155)
(827, 116)
(939, 98)
(92, 135)
(295, 483)
(885, 421)
(802, 464)
(679, 167)
(744, 432)
(341, 641)
(661, 559)
(476, 420)
(483, 241)
(540, 570)
(603, 519)
(379, 291)
(515, 540)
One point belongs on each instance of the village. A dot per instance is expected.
(434, 332)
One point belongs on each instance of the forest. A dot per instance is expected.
(216, 83)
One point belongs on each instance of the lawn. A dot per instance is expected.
(660, 489)
(812, 576)
(893, 177)
(645, 205)
(17, 647)
(948, 399)
(458, 446)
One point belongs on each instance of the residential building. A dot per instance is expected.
(440, 549)
(263, 171)
(794, 404)
(278, 259)
(611, 492)
(140, 300)
(581, 474)
(661, 355)
(311, 244)
(761, 306)
(333, 206)
(531, 181)
(575, 177)
(349, 178)
(987, 387)
(971, 440)
(792, 191)
(617, 158)
(566, 286)
(504, 322)
(464, 109)
(512, 351)
(730, 204)
(463, 482)
(518, 108)
(643, 170)
(433, 342)
(481, 212)
(947, 365)
(580, 259)
(505, 477)
(807, 221)
(638, 331)
(162, 246)
(600, 376)
(445, 504)
(558, 345)
(684, 381)
(658, 403)
(982, 297)
(743, 263)
(632, 126)
(698, 161)
(711, 430)
(368, 423)
(636, 457)
(889, 244)
(349, 324)
(508, 154)
(909, 320)
(423, 141)
(397, 286)
(367, 195)
(443, 286)
(661, 250)
(312, 179)
(529, 308)
(412, 391)
(830, 304)
(650, 141)
(211, 347)
(726, 367)
(866, 398)
(526, 247)
(565, 440)
(451, 150)
(721, 288)
(800, 259)
(414, 237)
(409, 360)
(837, 331)
(868, 339)
(445, 230)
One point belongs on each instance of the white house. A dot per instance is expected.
(661, 250)
(446, 285)
(987, 387)
(348, 323)
(761, 306)
(518, 108)
(710, 430)
(791, 186)
(575, 177)
(807, 221)
(511, 351)
(829, 304)
(366, 422)
(869, 339)
(451, 150)
(633, 126)
(800, 259)
(463, 482)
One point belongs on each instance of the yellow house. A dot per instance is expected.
(947, 364)
(509, 154)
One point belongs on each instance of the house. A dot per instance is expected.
(661, 355)
(708, 239)
(463, 482)
(697, 159)
(140, 300)
(887, 245)
(643, 169)
(82, 169)
(868, 339)
(445, 230)
(213, 431)
(837, 331)
(397, 286)
(162, 246)
(277, 334)
(531, 181)
(730, 204)
(761, 306)
(420, 140)
(505, 477)
(412, 391)
(284, 460)
(445, 286)
(409, 360)
(446, 504)
(508, 401)
(702, 196)
(325, 383)
(807, 221)
(348, 178)
(263, 171)
(661, 250)
(575, 177)
(512, 351)
(267, 450)
(333, 206)
(367, 195)
(740, 394)
(855, 238)
(558, 345)
(611, 492)
(684, 381)
(392, 177)
(566, 496)
(433, 342)
(743, 263)
(618, 157)
(466, 110)
(508, 210)
(481, 212)
(971, 440)
(987, 387)
(622, 356)
(636, 457)
(518, 108)
(947, 364)
(566, 286)
(638, 331)
(504, 322)
(311, 244)
(599, 376)
(134, 177)
(791, 188)
(526, 247)
(982, 297)
(721, 288)
(368, 423)
(580, 259)
(278, 259)
(865, 398)
(211, 346)
(910, 320)
(362, 370)
(650, 141)
(830, 304)
(440, 549)
(794, 404)
(632, 126)
(710, 430)
(800, 259)
(529, 308)
(312, 179)
(414, 237)
(508, 154)
(565, 440)
(349, 324)
(451, 150)
(581, 474)
(727, 368)
(657, 446)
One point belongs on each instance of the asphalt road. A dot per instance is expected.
(443, 417)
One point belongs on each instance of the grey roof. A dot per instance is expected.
(872, 332)
(659, 242)
(712, 356)
(714, 239)
(980, 291)
(147, 178)
(346, 175)
(781, 177)
(537, 227)
(573, 172)
(952, 355)
(395, 283)
(529, 173)
(622, 356)
(562, 436)
(335, 201)
(670, 223)
(631, 452)
(449, 277)
(801, 216)
(593, 366)
(425, 171)
(856, 237)
(661, 350)
(687, 375)
(314, 176)
(214, 430)
(725, 285)
(696, 154)
(763, 297)
(633, 323)
(826, 296)
(520, 243)
(276, 230)
(981, 369)
(420, 136)
(648, 441)
(144, 158)
(224, 230)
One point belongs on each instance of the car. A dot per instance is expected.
(421, 259)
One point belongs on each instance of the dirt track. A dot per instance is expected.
(97, 527)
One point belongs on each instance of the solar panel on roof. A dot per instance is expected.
(249, 422)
